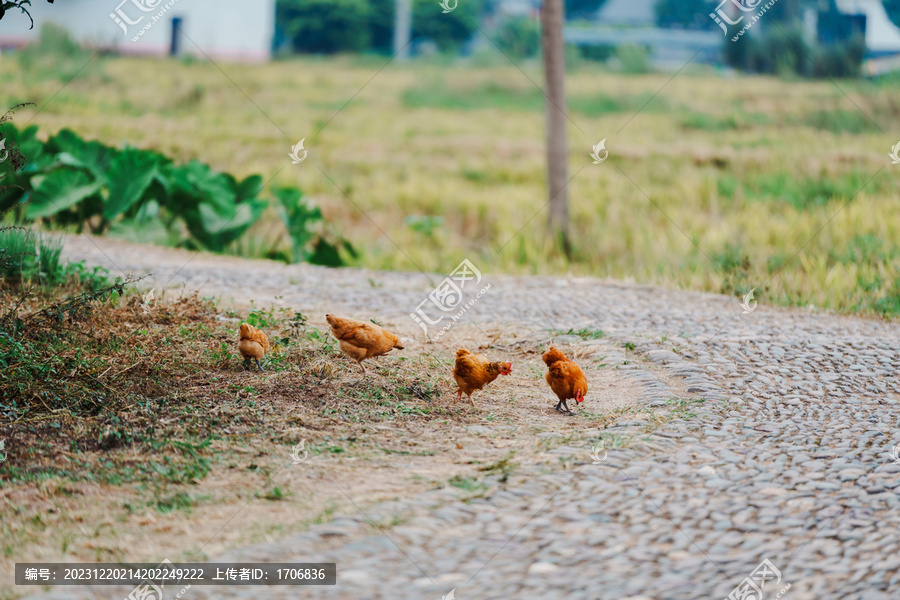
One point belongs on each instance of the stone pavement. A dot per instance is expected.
(790, 460)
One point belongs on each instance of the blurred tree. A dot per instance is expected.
(893, 10)
(381, 25)
(694, 14)
(789, 11)
(783, 49)
(684, 14)
(520, 37)
(582, 9)
(20, 4)
(325, 26)
(447, 30)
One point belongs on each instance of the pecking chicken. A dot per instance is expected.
(474, 371)
(566, 379)
(253, 344)
(360, 340)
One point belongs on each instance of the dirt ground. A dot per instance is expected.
(255, 492)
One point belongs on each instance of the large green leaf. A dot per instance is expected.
(215, 222)
(29, 146)
(299, 219)
(59, 190)
(249, 188)
(218, 228)
(72, 150)
(130, 174)
(215, 188)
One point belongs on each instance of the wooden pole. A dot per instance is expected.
(557, 151)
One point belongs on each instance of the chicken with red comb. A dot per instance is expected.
(566, 379)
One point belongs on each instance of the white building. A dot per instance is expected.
(236, 30)
(882, 36)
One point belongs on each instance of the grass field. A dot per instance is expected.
(719, 183)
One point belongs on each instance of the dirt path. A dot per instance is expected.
(774, 443)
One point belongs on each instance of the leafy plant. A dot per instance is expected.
(324, 26)
(520, 37)
(583, 9)
(56, 56)
(86, 185)
(634, 59)
(683, 14)
(447, 30)
(311, 240)
(28, 256)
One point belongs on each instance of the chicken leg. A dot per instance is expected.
(563, 405)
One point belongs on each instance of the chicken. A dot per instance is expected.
(474, 371)
(566, 379)
(253, 344)
(360, 340)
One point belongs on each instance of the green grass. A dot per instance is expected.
(275, 494)
(841, 121)
(485, 96)
(685, 408)
(446, 161)
(468, 484)
(492, 95)
(29, 256)
(584, 333)
(707, 122)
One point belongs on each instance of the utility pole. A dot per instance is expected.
(402, 28)
(552, 16)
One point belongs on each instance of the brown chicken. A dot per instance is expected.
(566, 379)
(253, 344)
(360, 340)
(474, 371)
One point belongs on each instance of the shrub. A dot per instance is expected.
(448, 30)
(784, 51)
(598, 53)
(312, 241)
(325, 26)
(582, 9)
(329, 26)
(634, 59)
(519, 37)
(74, 183)
(685, 14)
(840, 60)
(56, 55)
